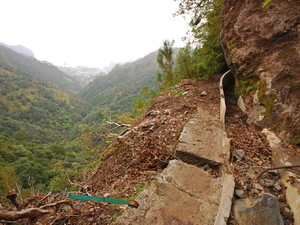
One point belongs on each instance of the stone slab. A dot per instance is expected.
(228, 186)
(181, 194)
(203, 141)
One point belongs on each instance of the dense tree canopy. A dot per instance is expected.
(203, 54)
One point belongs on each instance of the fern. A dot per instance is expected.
(266, 3)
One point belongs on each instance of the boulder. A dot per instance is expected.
(262, 210)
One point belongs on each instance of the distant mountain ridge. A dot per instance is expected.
(20, 49)
(83, 74)
(43, 71)
(118, 89)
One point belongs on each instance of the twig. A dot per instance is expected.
(46, 196)
(274, 168)
(55, 204)
(71, 181)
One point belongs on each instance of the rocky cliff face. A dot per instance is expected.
(262, 49)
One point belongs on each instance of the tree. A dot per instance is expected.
(185, 63)
(165, 62)
(205, 27)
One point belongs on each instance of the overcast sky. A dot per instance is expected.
(90, 32)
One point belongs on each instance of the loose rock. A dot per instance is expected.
(203, 93)
(240, 193)
(239, 154)
(262, 210)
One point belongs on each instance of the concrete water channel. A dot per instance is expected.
(186, 192)
(197, 187)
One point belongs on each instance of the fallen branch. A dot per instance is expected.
(118, 124)
(46, 196)
(274, 168)
(26, 213)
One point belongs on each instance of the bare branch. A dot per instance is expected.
(275, 168)
(66, 201)
(118, 124)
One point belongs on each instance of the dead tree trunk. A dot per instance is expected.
(12, 196)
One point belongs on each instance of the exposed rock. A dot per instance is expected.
(261, 47)
(262, 210)
(226, 200)
(277, 186)
(203, 93)
(258, 187)
(240, 193)
(239, 154)
(241, 104)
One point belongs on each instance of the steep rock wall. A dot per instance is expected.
(262, 49)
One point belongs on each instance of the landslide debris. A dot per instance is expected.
(140, 152)
(250, 153)
(136, 156)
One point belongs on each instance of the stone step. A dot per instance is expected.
(182, 194)
(203, 141)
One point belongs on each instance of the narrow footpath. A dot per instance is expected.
(213, 177)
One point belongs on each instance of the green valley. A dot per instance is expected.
(47, 133)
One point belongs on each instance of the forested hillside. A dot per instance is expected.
(35, 110)
(118, 89)
(47, 134)
(35, 122)
(43, 71)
